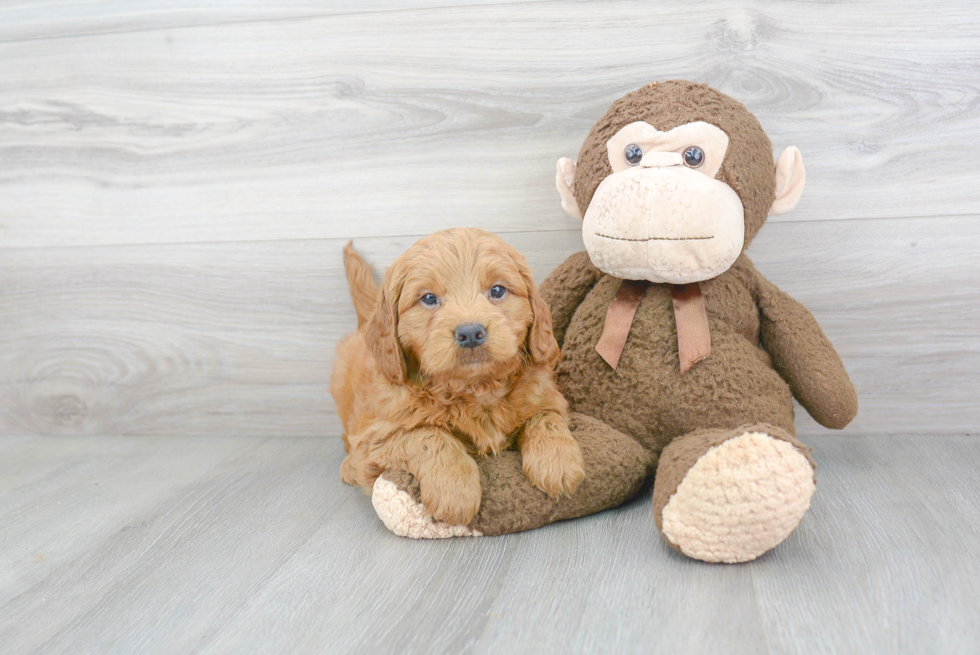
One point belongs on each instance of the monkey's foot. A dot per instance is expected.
(730, 496)
(401, 513)
(615, 466)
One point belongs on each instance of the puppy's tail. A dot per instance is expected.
(363, 289)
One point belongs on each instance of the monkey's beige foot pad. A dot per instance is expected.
(740, 498)
(615, 468)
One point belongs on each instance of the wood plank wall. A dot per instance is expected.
(176, 183)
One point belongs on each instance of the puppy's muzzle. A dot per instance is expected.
(470, 335)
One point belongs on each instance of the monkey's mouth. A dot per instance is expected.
(606, 236)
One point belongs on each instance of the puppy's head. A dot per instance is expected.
(463, 303)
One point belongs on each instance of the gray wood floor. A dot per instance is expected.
(242, 544)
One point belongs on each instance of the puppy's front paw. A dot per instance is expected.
(452, 496)
(553, 461)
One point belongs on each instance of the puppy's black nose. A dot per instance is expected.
(470, 335)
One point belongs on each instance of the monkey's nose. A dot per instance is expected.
(657, 159)
(470, 335)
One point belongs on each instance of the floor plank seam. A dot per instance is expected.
(369, 237)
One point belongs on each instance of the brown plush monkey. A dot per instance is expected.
(677, 353)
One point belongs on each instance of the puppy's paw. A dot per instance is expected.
(553, 461)
(401, 512)
(348, 472)
(452, 495)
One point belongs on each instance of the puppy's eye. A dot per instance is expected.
(633, 154)
(429, 300)
(693, 157)
(497, 292)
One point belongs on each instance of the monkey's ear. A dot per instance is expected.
(790, 178)
(564, 180)
(381, 336)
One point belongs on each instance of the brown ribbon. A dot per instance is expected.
(619, 319)
(693, 335)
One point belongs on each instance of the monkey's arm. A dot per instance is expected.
(566, 287)
(804, 357)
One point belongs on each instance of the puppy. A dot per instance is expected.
(453, 358)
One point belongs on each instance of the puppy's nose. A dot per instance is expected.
(470, 335)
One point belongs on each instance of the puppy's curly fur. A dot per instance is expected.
(413, 396)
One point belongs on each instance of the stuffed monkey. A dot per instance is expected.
(679, 357)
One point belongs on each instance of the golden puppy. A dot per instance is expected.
(452, 358)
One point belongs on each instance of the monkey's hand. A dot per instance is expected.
(804, 357)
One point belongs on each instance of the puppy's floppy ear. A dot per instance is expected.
(541, 342)
(381, 333)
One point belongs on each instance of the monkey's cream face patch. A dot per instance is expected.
(664, 225)
(662, 219)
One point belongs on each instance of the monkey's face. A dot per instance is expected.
(661, 215)
(680, 205)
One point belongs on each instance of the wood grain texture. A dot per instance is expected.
(50, 511)
(48, 19)
(238, 338)
(402, 122)
(882, 505)
(176, 180)
(184, 339)
(253, 545)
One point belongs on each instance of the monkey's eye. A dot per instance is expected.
(693, 157)
(429, 300)
(497, 291)
(633, 154)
